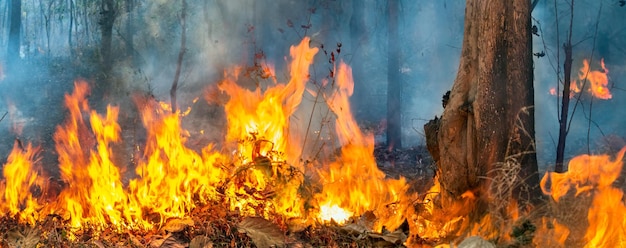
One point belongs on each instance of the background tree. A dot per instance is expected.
(394, 81)
(15, 30)
(108, 12)
(488, 123)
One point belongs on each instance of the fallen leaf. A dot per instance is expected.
(354, 228)
(396, 237)
(262, 232)
(201, 242)
(178, 225)
(28, 239)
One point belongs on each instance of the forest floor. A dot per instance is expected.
(211, 225)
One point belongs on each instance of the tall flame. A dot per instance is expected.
(594, 175)
(20, 178)
(354, 183)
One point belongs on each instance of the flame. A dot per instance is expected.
(258, 172)
(596, 82)
(354, 183)
(599, 80)
(594, 175)
(20, 176)
(94, 195)
(171, 174)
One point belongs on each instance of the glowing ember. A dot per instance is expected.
(335, 213)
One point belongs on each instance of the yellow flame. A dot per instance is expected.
(594, 175)
(354, 183)
(20, 177)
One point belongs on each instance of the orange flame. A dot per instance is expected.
(595, 81)
(17, 199)
(354, 183)
(94, 195)
(594, 175)
(599, 80)
(170, 174)
(263, 178)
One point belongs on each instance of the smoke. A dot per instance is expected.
(223, 34)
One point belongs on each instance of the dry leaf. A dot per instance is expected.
(262, 232)
(98, 243)
(172, 242)
(396, 237)
(178, 225)
(354, 228)
(28, 239)
(201, 242)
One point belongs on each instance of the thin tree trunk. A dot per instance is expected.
(69, 36)
(567, 75)
(394, 82)
(488, 124)
(181, 54)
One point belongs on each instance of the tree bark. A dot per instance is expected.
(488, 123)
(394, 82)
(15, 29)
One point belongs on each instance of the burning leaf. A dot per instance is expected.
(262, 232)
(178, 225)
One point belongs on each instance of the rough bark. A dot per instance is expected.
(489, 119)
(394, 82)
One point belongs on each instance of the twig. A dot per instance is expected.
(4, 115)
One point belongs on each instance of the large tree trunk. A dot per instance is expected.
(487, 127)
(394, 82)
(15, 27)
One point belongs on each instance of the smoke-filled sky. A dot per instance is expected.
(221, 34)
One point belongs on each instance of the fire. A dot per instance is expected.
(594, 176)
(20, 179)
(94, 195)
(596, 82)
(258, 172)
(599, 80)
(354, 184)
